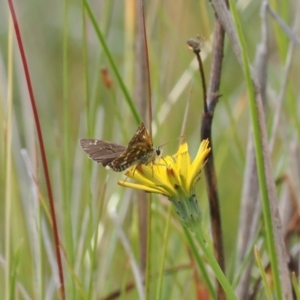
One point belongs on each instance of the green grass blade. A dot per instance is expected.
(200, 263)
(259, 155)
(263, 274)
(112, 63)
(208, 253)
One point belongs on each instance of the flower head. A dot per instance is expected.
(174, 177)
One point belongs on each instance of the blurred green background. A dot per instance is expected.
(65, 61)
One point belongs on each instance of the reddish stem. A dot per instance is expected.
(41, 144)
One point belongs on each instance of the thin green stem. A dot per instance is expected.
(88, 121)
(163, 255)
(213, 263)
(200, 262)
(263, 274)
(149, 242)
(259, 156)
(112, 63)
(8, 185)
(66, 161)
(296, 286)
(281, 39)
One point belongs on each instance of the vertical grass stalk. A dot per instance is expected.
(213, 263)
(8, 185)
(259, 156)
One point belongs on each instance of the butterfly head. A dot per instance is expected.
(158, 153)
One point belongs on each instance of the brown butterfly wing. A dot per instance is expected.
(117, 157)
(141, 136)
(129, 157)
(138, 148)
(101, 151)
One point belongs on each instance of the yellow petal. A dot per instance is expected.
(153, 176)
(139, 187)
(183, 162)
(198, 163)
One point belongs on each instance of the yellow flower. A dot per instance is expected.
(174, 177)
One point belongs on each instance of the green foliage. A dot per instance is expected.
(67, 46)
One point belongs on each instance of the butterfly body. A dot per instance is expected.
(140, 150)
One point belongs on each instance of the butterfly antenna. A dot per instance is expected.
(181, 137)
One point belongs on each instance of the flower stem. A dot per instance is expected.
(213, 263)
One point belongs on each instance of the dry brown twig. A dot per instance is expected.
(209, 103)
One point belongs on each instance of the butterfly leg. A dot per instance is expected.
(125, 180)
(139, 168)
(165, 161)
